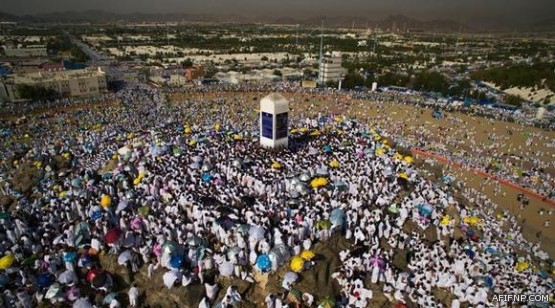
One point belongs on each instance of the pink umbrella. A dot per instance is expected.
(73, 293)
(157, 249)
(136, 223)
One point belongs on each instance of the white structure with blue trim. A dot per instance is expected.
(274, 121)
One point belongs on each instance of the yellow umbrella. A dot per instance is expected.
(303, 129)
(472, 220)
(217, 127)
(398, 156)
(188, 130)
(294, 130)
(308, 254)
(334, 163)
(6, 261)
(380, 151)
(115, 156)
(105, 201)
(408, 159)
(66, 155)
(296, 264)
(237, 137)
(445, 220)
(318, 182)
(62, 194)
(315, 133)
(275, 165)
(404, 176)
(522, 266)
(138, 179)
(499, 216)
(193, 142)
(130, 136)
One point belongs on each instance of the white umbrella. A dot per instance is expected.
(53, 291)
(226, 269)
(82, 303)
(124, 257)
(67, 277)
(122, 205)
(257, 232)
(290, 277)
(198, 159)
(171, 277)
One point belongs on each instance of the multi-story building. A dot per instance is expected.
(331, 69)
(70, 83)
(26, 52)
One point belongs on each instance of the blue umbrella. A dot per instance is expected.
(86, 260)
(207, 177)
(70, 256)
(44, 280)
(337, 217)
(96, 215)
(491, 250)
(327, 148)
(263, 262)
(470, 253)
(425, 209)
(176, 261)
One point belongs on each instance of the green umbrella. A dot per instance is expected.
(327, 302)
(143, 211)
(29, 261)
(324, 224)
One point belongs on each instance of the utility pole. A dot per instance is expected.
(320, 77)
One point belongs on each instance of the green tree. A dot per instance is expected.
(35, 93)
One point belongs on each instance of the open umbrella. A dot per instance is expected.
(263, 262)
(143, 211)
(92, 273)
(82, 302)
(256, 233)
(67, 277)
(296, 264)
(171, 277)
(226, 269)
(327, 302)
(308, 254)
(112, 235)
(124, 257)
(100, 280)
(290, 277)
(6, 261)
(176, 261)
(53, 291)
(206, 177)
(69, 256)
(305, 177)
(44, 280)
(337, 217)
(105, 201)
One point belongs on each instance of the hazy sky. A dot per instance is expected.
(460, 10)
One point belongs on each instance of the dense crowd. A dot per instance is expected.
(185, 189)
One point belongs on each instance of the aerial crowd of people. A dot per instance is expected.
(184, 189)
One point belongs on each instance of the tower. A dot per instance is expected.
(274, 121)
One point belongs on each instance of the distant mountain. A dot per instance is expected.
(5, 17)
(393, 23)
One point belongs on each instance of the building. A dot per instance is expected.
(26, 52)
(74, 83)
(331, 69)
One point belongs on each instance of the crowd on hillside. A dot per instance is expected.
(171, 193)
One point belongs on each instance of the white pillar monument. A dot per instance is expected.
(274, 121)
